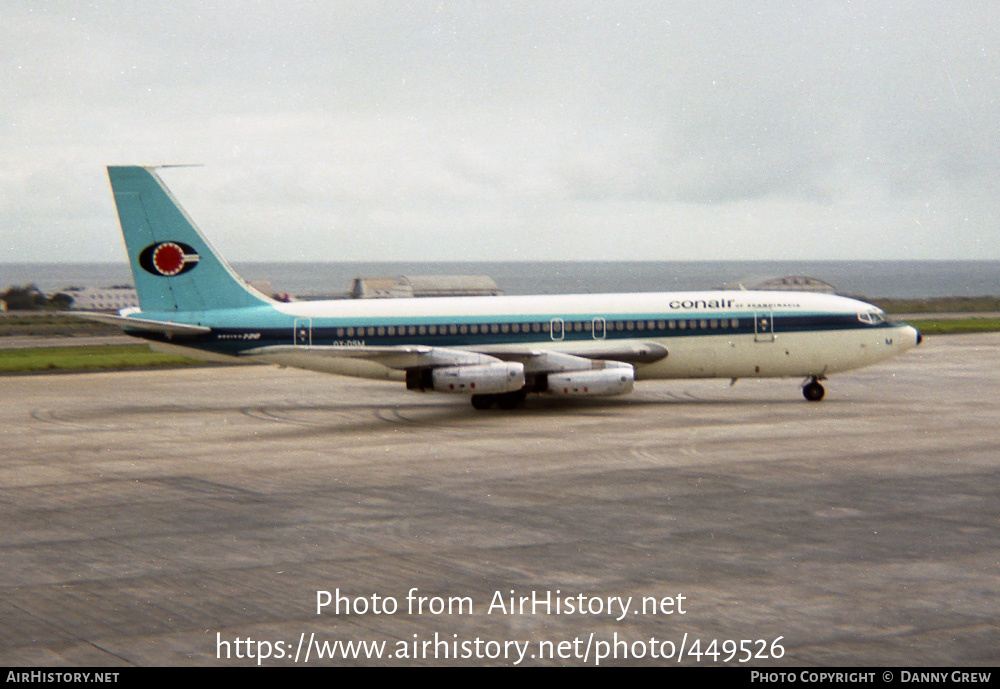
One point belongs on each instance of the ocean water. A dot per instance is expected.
(897, 279)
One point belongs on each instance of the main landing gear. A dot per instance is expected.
(813, 391)
(506, 400)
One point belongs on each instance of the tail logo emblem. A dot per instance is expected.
(168, 258)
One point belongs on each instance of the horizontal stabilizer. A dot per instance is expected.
(143, 324)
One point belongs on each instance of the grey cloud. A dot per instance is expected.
(521, 130)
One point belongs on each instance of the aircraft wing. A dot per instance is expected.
(570, 357)
(585, 353)
(424, 368)
(399, 357)
(599, 368)
(143, 324)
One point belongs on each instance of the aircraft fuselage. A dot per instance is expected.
(705, 334)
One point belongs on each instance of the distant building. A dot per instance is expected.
(102, 298)
(425, 286)
(787, 283)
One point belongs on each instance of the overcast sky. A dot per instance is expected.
(509, 130)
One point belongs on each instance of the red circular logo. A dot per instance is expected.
(168, 258)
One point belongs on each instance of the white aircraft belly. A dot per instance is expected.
(788, 355)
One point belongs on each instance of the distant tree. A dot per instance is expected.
(30, 298)
(61, 301)
(26, 298)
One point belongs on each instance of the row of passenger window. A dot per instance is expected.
(598, 327)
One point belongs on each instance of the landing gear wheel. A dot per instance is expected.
(511, 400)
(483, 401)
(813, 391)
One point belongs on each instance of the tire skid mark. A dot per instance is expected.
(392, 415)
(265, 414)
(66, 423)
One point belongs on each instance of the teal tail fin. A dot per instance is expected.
(173, 265)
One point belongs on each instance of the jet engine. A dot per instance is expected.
(485, 379)
(593, 383)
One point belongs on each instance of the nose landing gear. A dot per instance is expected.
(813, 391)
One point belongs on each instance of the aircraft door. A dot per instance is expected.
(302, 332)
(763, 326)
(600, 329)
(557, 329)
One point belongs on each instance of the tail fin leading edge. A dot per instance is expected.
(173, 265)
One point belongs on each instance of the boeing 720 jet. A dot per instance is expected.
(494, 350)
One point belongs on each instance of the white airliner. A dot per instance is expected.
(495, 350)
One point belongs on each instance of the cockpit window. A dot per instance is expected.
(872, 317)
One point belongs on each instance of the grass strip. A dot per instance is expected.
(936, 304)
(956, 326)
(95, 358)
